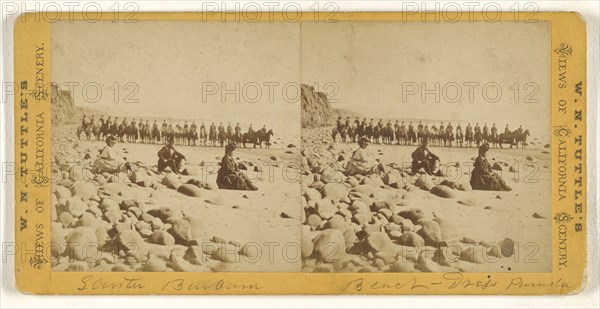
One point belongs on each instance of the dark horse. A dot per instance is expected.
(257, 138)
(342, 131)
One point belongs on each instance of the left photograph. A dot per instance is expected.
(175, 146)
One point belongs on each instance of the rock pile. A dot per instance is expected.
(123, 222)
(370, 223)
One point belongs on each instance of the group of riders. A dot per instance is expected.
(401, 133)
(187, 134)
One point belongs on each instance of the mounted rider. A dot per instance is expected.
(469, 129)
(494, 130)
(449, 129)
(84, 122)
(229, 129)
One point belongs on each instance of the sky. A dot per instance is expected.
(198, 70)
(382, 69)
(183, 70)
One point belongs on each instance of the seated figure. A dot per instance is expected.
(229, 176)
(483, 176)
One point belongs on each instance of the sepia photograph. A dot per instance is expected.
(425, 147)
(175, 146)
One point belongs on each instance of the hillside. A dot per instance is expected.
(64, 110)
(317, 111)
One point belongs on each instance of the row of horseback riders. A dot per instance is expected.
(186, 134)
(402, 134)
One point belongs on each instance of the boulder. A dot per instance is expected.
(314, 220)
(362, 218)
(76, 206)
(190, 190)
(402, 266)
(162, 238)
(424, 183)
(337, 222)
(83, 189)
(181, 231)
(62, 192)
(411, 239)
(194, 255)
(155, 264)
(132, 243)
(359, 206)
(444, 191)
(334, 191)
(215, 200)
(431, 232)
(82, 244)
(413, 214)
(171, 181)
(325, 208)
(226, 253)
(381, 242)
(330, 246)
(312, 194)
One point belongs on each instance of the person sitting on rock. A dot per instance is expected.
(483, 177)
(229, 176)
(424, 159)
(361, 163)
(109, 160)
(169, 157)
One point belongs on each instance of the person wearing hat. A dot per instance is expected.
(169, 157)
(110, 160)
(483, 177)
(229, 176)
(424, 159)
(361, 162)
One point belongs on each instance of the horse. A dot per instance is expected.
(264, 137)
(236, 137)
(521, 138)
(212, 137)
(145, 134)
(494, 139)
(192, 137)
(352, 134)
(507, 138)
(155, 135)
(448, 137)
(96, 131)
(249, 138)
(401, 136)
(459, 138)
(342, 131)
(469, 138)
(222, 136)
(132, 133)
(387, 135)
(87, 130)
(121, 132)
(203, 137)
(412, 137)
(368, 132)
(478, 138)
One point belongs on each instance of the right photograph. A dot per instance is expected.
(425, 147)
